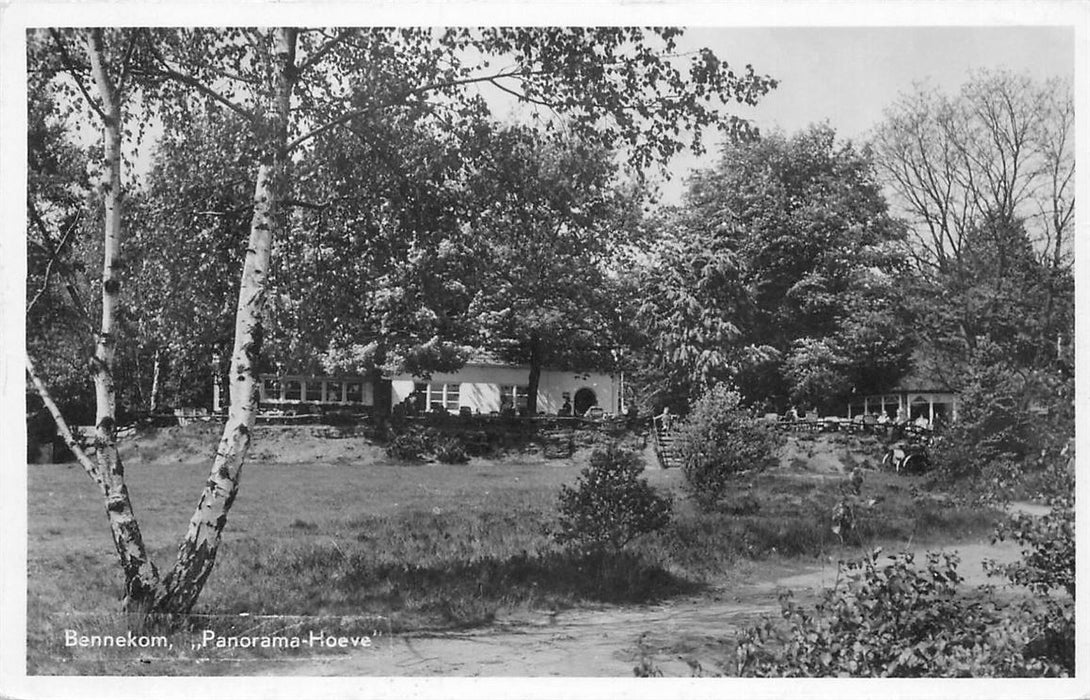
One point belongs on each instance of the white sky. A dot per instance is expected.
(849, 75)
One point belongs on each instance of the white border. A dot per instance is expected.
(15, 17)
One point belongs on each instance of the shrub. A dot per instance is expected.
(719, 440)
(1010, 421)
(408, 447)
(451, 451)
(1047, 566)
(895, 620)
(610, 505)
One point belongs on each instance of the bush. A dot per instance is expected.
(1047, 566)
(1010, 422)
(408, 447)
(610, 505)
(894, 620)
(719, 440)
(451, 451)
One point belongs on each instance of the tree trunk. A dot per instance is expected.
(536, 358)
(153, 402)
(141, 576)
(197, 553)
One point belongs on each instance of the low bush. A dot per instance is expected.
(895, 620)
(451, 451)
(720, 440)
(408, 447)
(610, 505)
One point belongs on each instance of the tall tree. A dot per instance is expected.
(101, 67)
(550, 218)
(1001, 148)
(770, 255)
(985, 179)
(374, 268)
(290, 86)
(188, 231)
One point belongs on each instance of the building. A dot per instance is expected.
(488, 386)
(483, 386)
(916, 395)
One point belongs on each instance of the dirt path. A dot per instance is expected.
(608, 642)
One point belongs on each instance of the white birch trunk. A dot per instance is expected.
(153, 402)
(141, 576)
(197, 553)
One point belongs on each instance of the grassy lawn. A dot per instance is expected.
(430, 546)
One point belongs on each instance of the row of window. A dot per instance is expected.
(449, 396)
(313, 390)
(434, 395)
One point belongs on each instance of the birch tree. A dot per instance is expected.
(102, 69)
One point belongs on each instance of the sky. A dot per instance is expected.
(849, 75)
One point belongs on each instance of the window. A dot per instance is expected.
(516, 396)
(293, 390)
(333, 392)
(354, 391)
(446, 396)
(314, 390)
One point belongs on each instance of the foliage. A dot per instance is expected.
(408, 447)
(610, 505)
(1048, 546)
(1011, 422)
(188, 229)
(57, 292)
(451, 451)
(984, 177)
(553, 218)
(785, 247)
(378, 270)
(719, 441)
(895, 620)
(1047, 568)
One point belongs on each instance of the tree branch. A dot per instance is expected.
(400, 97)
(53, 257)
(54, 252)
(168, 72)
(74, 443)
(313, 58)
(70, 66)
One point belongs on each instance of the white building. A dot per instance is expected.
(486, 387)
(916, 396)
(482, 386)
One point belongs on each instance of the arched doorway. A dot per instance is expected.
(584, 399)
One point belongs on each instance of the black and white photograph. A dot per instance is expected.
(644, 350)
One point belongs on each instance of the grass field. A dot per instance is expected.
(430, 546)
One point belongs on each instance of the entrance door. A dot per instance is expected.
(584, 399)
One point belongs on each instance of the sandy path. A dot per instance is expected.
(607, 642)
